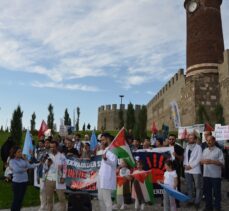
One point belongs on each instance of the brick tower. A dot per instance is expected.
(205, 47)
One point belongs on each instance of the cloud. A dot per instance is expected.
(80, 87)
(62, 40)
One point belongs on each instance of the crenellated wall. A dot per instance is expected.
(108, 115)
(158, 109)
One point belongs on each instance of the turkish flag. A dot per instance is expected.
(42, 129)
(154, 128)
(208, 127)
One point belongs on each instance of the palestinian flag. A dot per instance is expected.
(143, 185)
(121, 149)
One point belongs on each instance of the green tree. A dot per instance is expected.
(33, 122)
(121, 118)
(143, 122)
(50, 117)
(130, 117)
(78, 118)
(1, 129)
(88, 126)
(84, 127)
(67, 119)
(219, 114)
(16, 125)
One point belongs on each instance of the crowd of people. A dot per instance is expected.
(200, 163)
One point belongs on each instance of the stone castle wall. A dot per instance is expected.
(108, 116)
(203, 89)
(158, 109)
(224, 85)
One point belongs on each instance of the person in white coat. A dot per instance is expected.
(192, 158)
(55, 177)
(107, 175)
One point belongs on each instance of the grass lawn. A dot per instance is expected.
(32, 193)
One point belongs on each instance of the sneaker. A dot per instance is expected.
(115, 207)
(142, 206)
(123, 207)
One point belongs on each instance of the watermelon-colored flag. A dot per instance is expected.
(42, 129)
(143, 185)
(121, 149)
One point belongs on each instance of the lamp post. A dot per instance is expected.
(121, 96)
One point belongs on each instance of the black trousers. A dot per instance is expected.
(18, 195)
(212, 187)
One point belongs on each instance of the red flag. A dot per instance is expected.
(208, 127)
(42, 129)
(184, 134)
(154, 128)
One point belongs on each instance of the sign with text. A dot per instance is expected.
(82, 173)
(221, 132)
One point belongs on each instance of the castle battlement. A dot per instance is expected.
(169, 85)
(116, 107)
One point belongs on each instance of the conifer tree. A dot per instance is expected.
(84, 127)
(88, 126)
(130, 117)
(50, 117)
(67, 119)
(16, 125)
(78, 118)
(33, 122)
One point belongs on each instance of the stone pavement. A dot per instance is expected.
(157, 206)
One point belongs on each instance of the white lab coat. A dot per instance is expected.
(107, 172)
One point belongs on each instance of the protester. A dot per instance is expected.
(69, 148)
(78, 144)
(136, 145)
(41, 155)
(136, 192)
(178, 160)
(192, 157)
(123, 172)
(106, 176)
(19, 166)
(55, 170)
(86, 153)
(5, 151)
(213, 161)
(146, 144)
(159, 142)
(170, 179)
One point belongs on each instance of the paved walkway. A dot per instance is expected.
(157, 206)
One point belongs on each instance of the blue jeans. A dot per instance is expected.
(193, 184)
(19, 189)
(212, 185)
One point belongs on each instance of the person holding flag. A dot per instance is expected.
(107, 175)
(19, 166)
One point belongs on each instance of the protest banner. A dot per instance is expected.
(154, 160)
(175, 114)
(82, 173)
(198, 128)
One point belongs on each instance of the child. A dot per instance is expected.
(123, 172)
(170, 178)
(136, 188)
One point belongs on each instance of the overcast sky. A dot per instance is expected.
(86, 53)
